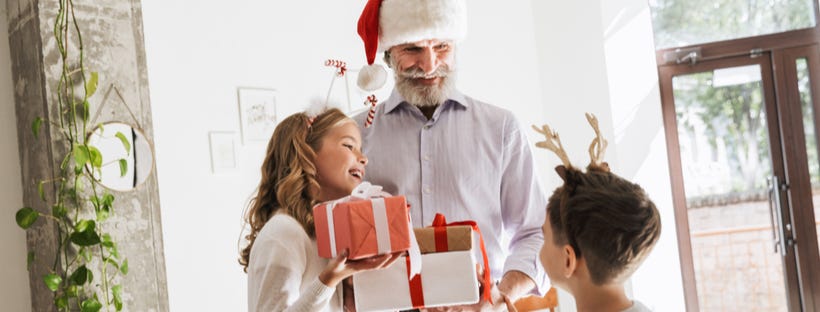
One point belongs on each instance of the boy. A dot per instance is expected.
(598, 230)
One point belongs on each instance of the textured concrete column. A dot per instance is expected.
(114, 47)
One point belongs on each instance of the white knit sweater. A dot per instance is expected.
(283, 271)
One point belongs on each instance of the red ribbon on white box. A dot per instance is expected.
(440, 224)
(416, 288)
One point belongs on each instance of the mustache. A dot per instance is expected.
(416, 72)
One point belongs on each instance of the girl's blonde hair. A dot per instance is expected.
(289, 173)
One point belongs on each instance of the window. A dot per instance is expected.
(688, 22)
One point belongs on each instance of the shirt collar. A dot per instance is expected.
(395, 100)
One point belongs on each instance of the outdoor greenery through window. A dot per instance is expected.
(808, 121)
(723, 135)
(689, 22)
(724, 151)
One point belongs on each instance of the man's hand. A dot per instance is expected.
(515, 284)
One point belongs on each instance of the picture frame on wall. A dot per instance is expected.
(257, 113)
(223, 151)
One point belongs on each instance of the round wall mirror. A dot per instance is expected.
(127, 155)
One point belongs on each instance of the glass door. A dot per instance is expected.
(721, 117)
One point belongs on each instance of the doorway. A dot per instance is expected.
(742, 140)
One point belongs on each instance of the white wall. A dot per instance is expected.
(640, 141)
(573, 82)
(14, 288)
(546, 61)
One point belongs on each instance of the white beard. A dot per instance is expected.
(422, 95)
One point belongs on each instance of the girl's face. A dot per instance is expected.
(340, 162)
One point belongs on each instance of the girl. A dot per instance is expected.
(309, 160)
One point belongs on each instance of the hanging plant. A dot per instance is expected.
(87, 266)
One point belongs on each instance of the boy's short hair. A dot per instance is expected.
(608, 220)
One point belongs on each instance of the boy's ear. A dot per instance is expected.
(570, 261)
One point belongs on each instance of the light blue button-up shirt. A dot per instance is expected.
(471, 161)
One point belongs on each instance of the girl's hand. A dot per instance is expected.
(340, 267)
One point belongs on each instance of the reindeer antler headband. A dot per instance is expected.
(597, 148)
(552, 142)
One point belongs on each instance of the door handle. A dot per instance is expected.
(776, 208)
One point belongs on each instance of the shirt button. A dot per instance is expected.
(426, 158)
(427, 190)
(427, 127)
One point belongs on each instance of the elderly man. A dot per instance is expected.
(447, 152)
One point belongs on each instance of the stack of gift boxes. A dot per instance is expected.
(374, 226)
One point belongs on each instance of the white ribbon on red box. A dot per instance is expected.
(380, 222)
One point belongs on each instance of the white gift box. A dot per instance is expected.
(447, 278)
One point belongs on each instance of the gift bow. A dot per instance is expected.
(365, 190)
(440, 224)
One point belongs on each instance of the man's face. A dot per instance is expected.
(423, 70)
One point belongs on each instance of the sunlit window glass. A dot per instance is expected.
(687, 22)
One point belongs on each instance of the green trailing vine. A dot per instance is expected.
(85, 272)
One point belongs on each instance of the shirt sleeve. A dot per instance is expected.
(275, 277)
(523, 206)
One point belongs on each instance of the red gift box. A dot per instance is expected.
(367, 227)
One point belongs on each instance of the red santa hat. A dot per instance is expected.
(386, 23)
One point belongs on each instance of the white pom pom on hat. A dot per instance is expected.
(386, 23)
(372, 77)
